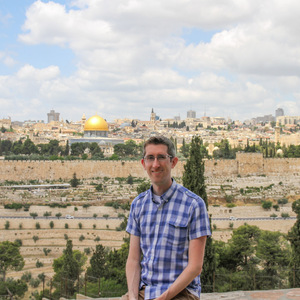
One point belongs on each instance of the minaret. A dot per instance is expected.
(277, 133)
(83, 119)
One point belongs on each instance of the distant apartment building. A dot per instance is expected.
(191, 114)
(53, 116)
(287, 120)
(279, 112)
(264, 119)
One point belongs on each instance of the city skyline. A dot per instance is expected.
(121, 59)
(54, 115)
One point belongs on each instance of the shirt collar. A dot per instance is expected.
(165, 197)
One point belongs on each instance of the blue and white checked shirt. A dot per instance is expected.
(165, 230)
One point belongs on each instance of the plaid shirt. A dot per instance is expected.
(165, 230)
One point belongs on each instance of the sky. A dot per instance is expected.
(235, 59)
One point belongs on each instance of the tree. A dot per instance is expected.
(266, 205)
(78, 149)
(184, 149)
(193, 179)
(282, 201)
(6, 225)
(13, 288)
(46, 251)
(47, 214)
(35, 238)
(67, 149)
(29, 147)
(58, 215)
(99, 187)
(74, 181)
(116, 261)
(273, 257)
(129, 180)
(10, 257)
(142, 187)
(98, 262)
(96, 151)
(68, 267)
(33, 214)
(294, 238)
(86, 205)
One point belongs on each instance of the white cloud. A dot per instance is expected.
(131, 56)
(30, 73)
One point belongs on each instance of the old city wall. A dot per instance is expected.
(244, 164)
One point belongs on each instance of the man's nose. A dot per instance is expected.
(156, 162)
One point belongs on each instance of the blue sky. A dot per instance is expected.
(120, 59)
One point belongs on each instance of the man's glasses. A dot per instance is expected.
(160, 157)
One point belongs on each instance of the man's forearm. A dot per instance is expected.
(133, 274)
(184, 279)
(193, 269)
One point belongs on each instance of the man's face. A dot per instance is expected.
(159, 171)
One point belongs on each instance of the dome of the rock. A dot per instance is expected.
(95, 123)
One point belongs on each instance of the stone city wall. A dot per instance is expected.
(245, 164)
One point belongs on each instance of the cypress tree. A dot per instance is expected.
(70, 269)
(67, 149)
(193, 179)
(74, 181)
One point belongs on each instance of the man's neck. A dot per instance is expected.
(160, 190)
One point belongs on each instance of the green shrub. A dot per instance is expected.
(285, 215)
(39, 264)
(33, 214)
(35, 238)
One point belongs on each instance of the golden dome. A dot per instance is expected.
(95, 123)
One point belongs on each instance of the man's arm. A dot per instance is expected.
(193, 269)
(133, 269)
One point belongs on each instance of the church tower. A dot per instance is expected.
(153, 116)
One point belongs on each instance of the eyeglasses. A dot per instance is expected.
(160, 157)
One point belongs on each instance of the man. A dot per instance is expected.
(168, 226)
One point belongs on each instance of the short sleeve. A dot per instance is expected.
(199, 223)
(133, 223)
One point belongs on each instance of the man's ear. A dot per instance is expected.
(143, 163)
(174, 161)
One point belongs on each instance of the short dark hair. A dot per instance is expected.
(160, 140)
